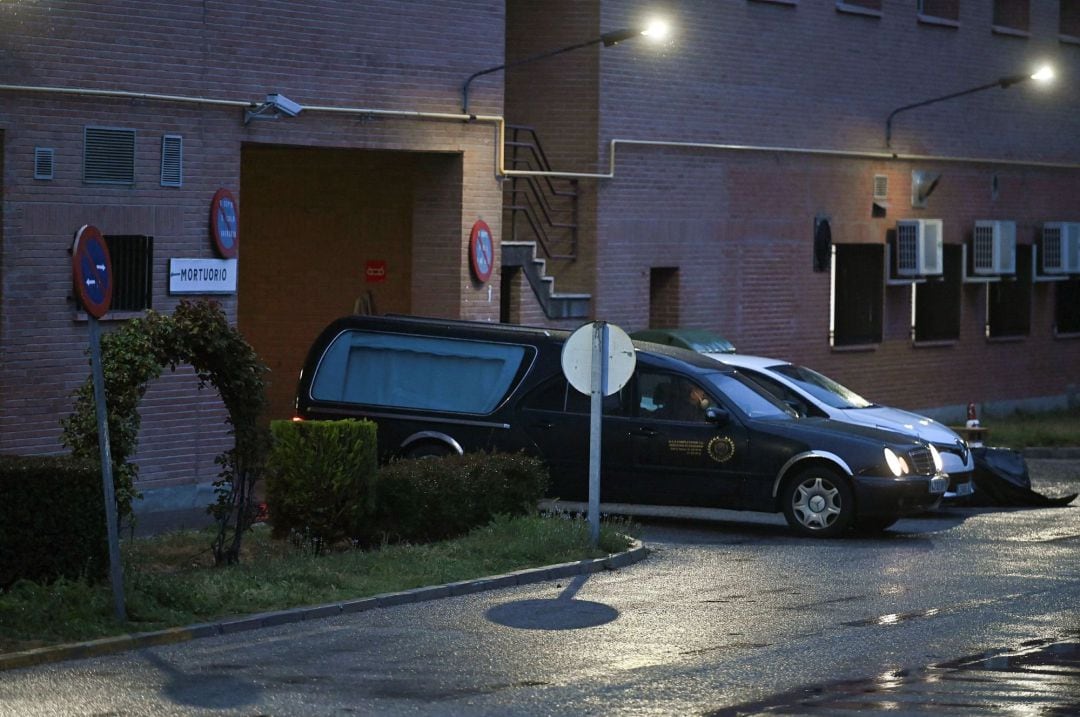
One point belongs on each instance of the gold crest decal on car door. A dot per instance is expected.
(721, 449)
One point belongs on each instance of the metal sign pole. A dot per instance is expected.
(599, 390)
(115, 568)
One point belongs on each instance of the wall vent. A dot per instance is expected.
(919, 247)
(172, 160)
(881, 187)
(993, 247)
(108, 156)
(43, 163)
(1061, 248)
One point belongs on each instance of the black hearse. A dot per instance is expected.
(684, 431)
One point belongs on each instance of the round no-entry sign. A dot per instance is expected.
(224, 224)
(616, 351)
(92, 270)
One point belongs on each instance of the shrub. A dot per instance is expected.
(52, 520)
(320, 480)
(431, 499)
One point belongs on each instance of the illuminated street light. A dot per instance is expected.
(1044, 73)
(656, 31)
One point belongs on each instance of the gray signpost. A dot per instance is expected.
(92, 270)
(598, 359)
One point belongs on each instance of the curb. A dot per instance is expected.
(227, 626)
(1057, 453)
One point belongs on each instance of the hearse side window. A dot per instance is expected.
(558, 395)
(420, 372)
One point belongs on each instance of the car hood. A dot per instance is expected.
(825, 432)
(895, 419)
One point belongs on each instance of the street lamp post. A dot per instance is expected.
(1043, 74)
(608, 39)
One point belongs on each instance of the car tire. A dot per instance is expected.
(872, 526)
(427, 449)
(818, 502)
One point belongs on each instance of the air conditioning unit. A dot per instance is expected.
(993, 245)
(918, 247)
(1061, 248)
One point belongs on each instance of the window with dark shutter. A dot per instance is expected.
(1008, 308)
(1067, 307)
(937, 303)
(940, 9)
(859, 285)
(1069, 18)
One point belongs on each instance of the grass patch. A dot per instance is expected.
(1027, 430)
(170, 581)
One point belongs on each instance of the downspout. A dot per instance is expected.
(500, 132)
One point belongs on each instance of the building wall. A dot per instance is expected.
(738, 224)
(386, 56)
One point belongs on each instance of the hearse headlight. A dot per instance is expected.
(896, 464)
(937, 458)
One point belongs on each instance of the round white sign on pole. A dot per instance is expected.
(577, 358)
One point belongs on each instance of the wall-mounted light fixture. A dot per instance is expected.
(1042, 75)
(273, 107)
(655, 31)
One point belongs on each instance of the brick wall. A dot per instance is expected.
(412, 204)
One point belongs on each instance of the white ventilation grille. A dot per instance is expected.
(994, 247)
(1061, 248)
(881, 187)
(919, 250)
(43, 163)
(172, 160)
(109, 156)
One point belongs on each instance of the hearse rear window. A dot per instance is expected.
(420, 372)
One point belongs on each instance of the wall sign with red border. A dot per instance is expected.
(481, 251)
(224, 221)
(92, 271)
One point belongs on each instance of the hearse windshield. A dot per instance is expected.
(417, 372)
(748, 396)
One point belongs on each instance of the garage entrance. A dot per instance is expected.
(328, 232)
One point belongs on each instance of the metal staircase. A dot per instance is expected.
(540, 223)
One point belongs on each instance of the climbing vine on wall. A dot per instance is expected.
(199, 334)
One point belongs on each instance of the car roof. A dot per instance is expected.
(669, 356)
(746, 361)
(698, 340)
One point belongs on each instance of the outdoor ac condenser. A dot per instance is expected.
(918, 247)
(993, 246)
(1061, 248)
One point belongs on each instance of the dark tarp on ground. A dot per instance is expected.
(1001, 478)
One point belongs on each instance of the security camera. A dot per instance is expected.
(284, 105)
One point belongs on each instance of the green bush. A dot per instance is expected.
(428, 499)
(52, 520)
(320, 480)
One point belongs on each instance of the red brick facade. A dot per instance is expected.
(707, 217)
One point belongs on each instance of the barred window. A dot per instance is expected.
(132, 258)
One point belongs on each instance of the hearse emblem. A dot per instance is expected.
(721, 449)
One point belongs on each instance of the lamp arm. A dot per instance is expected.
(522, 61)
(1003, 82)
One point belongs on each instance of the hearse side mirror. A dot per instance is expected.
(797, 406)
(717, 415)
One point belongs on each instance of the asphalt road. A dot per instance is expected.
(965, 611)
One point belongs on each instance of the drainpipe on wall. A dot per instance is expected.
(500, 127)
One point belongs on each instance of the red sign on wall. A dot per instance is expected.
(375, 271)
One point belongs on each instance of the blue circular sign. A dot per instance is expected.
(481, 251)
(224, 224)
(92, 270)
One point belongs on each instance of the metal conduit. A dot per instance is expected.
(500, 127)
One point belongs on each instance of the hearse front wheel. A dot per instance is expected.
(818, 502)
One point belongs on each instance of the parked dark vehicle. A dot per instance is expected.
(684, 431)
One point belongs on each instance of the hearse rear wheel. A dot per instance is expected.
(818, 502)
